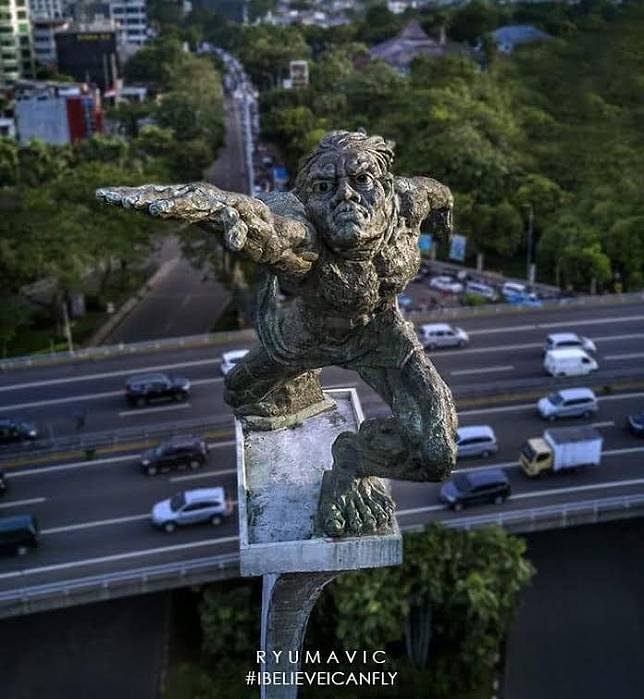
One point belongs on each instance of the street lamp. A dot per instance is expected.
(529, 269)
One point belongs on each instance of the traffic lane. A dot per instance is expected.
(135, 545)
(547, 319)
(110, 412)
(124, 364)
(512, 362)
(419, 502)
(114, 490)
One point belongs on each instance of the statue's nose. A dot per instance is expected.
(346, 191)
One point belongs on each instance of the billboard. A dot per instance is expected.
(457, 248)
(425, 242)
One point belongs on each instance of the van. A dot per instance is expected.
(476, 440)
(481, 289)
(571, 402)
(569, 362)
(18, 534)
(513, 289)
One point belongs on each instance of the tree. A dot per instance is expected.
(452, 599)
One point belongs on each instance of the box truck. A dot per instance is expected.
(563, 449)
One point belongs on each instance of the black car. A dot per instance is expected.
(178, 452)
(146, 388)
(476, 487)
(3, 484)
(636, 424)
(14, 429)
(18, 534)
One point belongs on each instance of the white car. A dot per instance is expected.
(192, 507)
(569, 340)
(230, 359)
(569, 362)
(447, 284)
(435, 335)
(481, 289)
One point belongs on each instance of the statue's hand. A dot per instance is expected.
(228, 212)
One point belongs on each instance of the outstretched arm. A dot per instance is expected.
(247, 224)
(423, 197)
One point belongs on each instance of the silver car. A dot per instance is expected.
(435, 335)
(477, 440)
(570, 402)
(192, 507)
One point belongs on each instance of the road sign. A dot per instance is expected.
(457, 248)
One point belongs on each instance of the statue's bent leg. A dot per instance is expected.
(260, 386)
(415, 443)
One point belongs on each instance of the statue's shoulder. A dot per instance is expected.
(410, 197)
(283, 204)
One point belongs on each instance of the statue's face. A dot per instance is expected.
(348, 202)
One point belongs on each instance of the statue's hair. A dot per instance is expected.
(381, 150)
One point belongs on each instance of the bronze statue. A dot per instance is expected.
(343, 243)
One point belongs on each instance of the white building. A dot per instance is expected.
(132, 16)
(46, 9)
(44, 42)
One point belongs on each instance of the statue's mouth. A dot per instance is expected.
(351, 213)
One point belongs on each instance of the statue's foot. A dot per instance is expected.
(353, 505)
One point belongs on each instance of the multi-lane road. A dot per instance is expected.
(94, 515)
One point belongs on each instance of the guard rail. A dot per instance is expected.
(244, 336)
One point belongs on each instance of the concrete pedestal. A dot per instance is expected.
(279, 478)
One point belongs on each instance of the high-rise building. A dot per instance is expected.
(132, 16)
(16, 45)
(88, 56)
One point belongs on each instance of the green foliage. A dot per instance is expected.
(464, 584)
(229, 622)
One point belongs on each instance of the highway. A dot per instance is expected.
(94, 515)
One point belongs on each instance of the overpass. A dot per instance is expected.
(97, 541)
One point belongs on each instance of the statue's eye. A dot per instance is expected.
(363, 179)
(321, 187)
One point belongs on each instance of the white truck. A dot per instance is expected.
(562, 449)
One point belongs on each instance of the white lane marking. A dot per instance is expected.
(576, 489)
(527, 406)
(621, 396)
(135, 412)
(606, 423)
(96, 462)
(117, 557)
(218, 445)
(482, 350)
(109, 374)
(483, 370)
(18, 503)
(60, 401)
(89, 396)
(90, 525)
(633, 355)
(420, 510)
(195, 476)
(72, 466)
(535, 345)
(558, 324)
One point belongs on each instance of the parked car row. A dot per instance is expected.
(511, 292)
